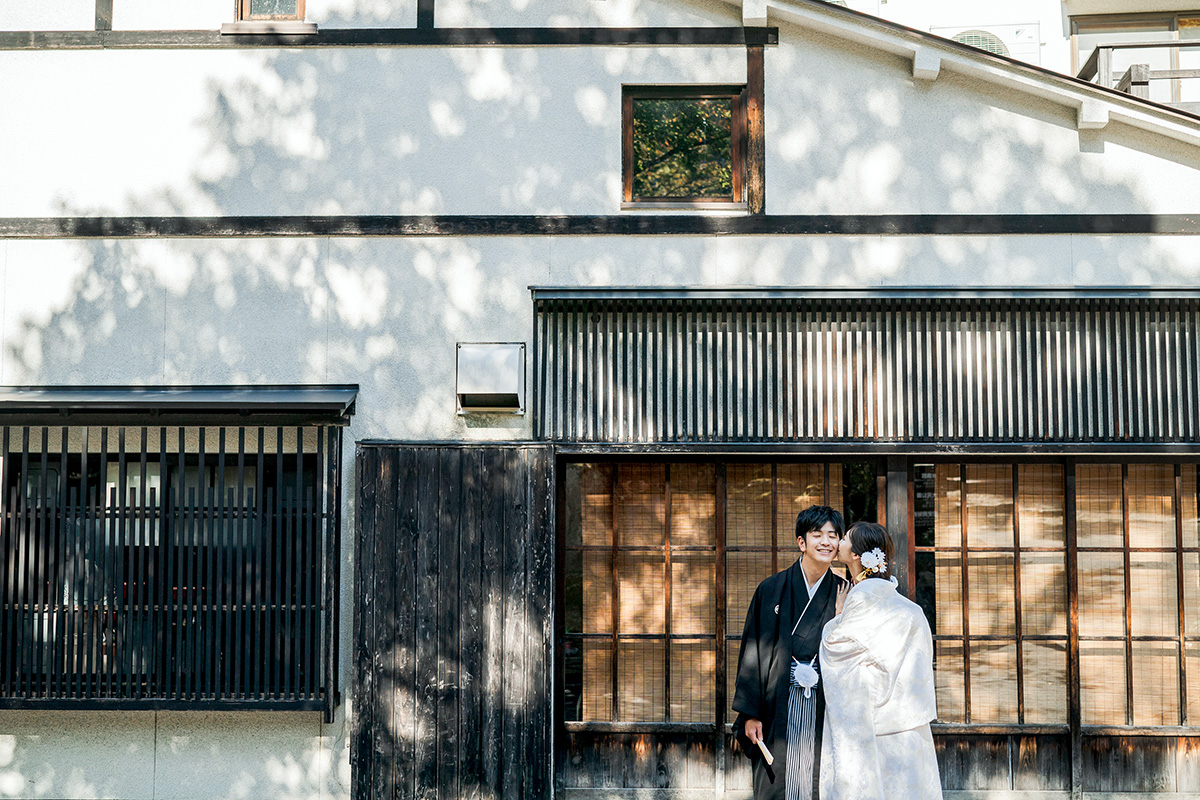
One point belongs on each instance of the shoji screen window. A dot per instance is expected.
(642, 592)
(660, 564)
(990, 543)
(1138, 594)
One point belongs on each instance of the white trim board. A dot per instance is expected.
(931, 55)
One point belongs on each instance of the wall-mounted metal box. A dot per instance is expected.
(491, 377)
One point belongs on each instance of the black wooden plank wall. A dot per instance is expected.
(453, 584)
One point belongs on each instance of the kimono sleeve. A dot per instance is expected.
(748, 695)
(850, 760)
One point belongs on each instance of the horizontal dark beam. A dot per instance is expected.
(958, 729)
(177, 405)
(388, 37)
(604, 225)
(842, 448)
(640, 727)
(737, 293)
(148, 704)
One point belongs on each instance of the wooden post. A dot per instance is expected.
(424, 13)
(1136, 81)
(756, 184)
(897, 515)
(1104, 67)
(1074, 704)
(104, 14)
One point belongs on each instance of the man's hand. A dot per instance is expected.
(842, 591)
(754, 730)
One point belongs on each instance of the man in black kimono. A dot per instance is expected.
(779, 697)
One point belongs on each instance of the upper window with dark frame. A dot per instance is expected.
(270, 10)
(683, 144)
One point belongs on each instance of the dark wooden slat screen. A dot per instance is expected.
(454, 579)
(167, 568)
(886, 370)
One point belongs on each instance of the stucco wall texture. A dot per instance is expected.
(537, 131)
(465, 131)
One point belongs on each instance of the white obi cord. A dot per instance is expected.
(804, 675)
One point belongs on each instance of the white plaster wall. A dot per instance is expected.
(385, 313)
(60, 15)
(166, 15)
(334, 131)
(537, 131)
(147, 755)
(861, 136)
(617, 13)
(211, 14)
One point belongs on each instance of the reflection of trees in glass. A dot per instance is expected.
(682, 148)
(273, 8)
(860, 493)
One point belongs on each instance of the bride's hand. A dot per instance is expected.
(842, 591)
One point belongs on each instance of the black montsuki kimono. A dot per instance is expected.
(764, 666)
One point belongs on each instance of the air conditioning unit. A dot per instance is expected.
(1022, 42)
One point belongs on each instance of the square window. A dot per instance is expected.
(268, 10)
(684, 144)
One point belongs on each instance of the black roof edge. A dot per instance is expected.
(865, 293)
(191, 404)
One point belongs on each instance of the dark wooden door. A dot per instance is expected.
(453, 585)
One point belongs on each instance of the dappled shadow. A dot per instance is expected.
(532, 131)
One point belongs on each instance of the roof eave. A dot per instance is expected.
(1095, 106)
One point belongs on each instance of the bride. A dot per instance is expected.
(877, 665)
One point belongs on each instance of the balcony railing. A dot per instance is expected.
(1136, 79)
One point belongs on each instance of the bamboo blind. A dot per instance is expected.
(645, 562)
(997, 552)
(1137, 535)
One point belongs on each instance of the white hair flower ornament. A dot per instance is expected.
(874, 561)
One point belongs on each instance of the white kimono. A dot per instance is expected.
(877, 667)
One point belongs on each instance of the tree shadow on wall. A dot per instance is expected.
(508, 132)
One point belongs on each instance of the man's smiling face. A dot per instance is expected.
(820, 547)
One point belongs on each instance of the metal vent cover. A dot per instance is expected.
(984, 40)
(859, 370)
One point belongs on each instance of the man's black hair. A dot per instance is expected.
(814, 518)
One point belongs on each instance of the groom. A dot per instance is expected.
(779, 697)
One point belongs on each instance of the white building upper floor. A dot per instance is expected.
(860, 117)
(1062, 34)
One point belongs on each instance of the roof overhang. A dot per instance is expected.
(930, 55)
(295, 404)
(1163, 293)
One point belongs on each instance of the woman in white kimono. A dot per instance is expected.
(877, 667)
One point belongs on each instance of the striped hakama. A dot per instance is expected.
(801, 742)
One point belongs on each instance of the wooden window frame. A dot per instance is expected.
(725, 639)
(244, 15)
(1074, 701)
(738, 125)
(965, 549)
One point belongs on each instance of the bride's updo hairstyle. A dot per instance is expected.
(867, 536)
